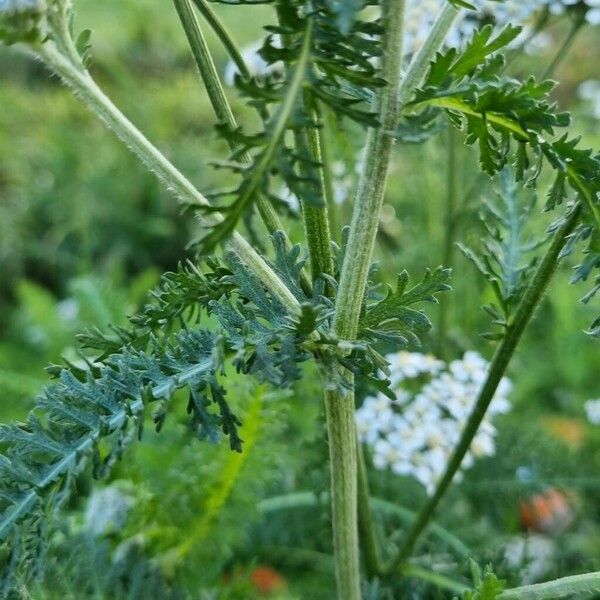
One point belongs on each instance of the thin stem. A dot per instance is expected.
(437, 579)
(85, 88)
(328, 174)
(449, 232)
(316, 218)
(563, 51)
(419, 64)
(215, 23)
(221, 106)
(530, 300)
(368, 539)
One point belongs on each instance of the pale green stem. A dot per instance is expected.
(504, 353)
(371, 190)
(372, 183)
(85, 88)
(417, 69)
(566, 587)
(363, 231)
(221, 106)
(341, 432)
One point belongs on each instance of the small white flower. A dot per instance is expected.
(592, 411)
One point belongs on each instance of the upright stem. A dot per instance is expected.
(369, 543)
(94, 98)
(531, 298)
(449, 230)
(417, 69)
(316, 219)
(215, 23)
(563, 51)
(372, 183)
(339, 401)
(219, 102)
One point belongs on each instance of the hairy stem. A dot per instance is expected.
(85, 88)
(566, 587)
(363, 231)
(372, 183)
(341, 430)
(530, 300)
(316, 218)
(370, 195)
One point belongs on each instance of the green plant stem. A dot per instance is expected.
(372, 182)
(371, 188)
(363, 231)
(566, 587)
(380, 506)
(530, 300)
(438, 579)
(215, 23)
(417, 69)
(85, 88)
(341, 432)
(563, 51)
(449, 232)
(328, 175)
(221, 106)
(316, 219)
(369, 543)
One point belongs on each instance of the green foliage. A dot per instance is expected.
(498, 112)
(506, 260)
(392, 317)
(322, 64)
(486, 585)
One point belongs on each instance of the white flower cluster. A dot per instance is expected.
(592, 411)
(415, 433)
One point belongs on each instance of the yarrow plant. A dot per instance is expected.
(414, 434)
(314, 301)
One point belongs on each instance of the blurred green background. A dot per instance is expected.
(85, 232)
